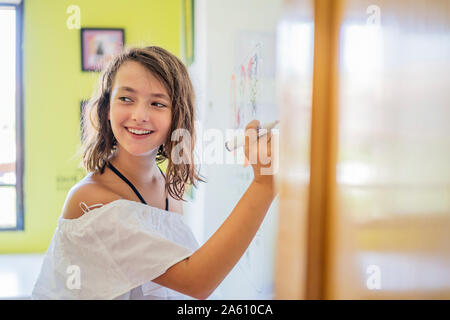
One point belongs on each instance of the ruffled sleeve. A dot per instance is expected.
(111, 250)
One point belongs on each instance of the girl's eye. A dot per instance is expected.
(120, 98)
(159, 105)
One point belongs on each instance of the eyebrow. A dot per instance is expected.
(158, 95)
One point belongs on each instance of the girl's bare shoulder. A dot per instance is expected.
(87, 192)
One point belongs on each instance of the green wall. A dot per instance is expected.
(53, 88)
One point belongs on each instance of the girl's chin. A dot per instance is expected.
(140, 151)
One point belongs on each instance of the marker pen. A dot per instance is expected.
(239, 141)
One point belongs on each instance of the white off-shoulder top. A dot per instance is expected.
(113, 252)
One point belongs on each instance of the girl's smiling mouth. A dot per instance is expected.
(139, 133)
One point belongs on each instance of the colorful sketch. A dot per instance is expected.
(252, 76)
(243, 101)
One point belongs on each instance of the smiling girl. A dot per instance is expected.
(121, 234)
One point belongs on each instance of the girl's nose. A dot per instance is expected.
(141, 113)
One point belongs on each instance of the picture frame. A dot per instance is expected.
(98, 45)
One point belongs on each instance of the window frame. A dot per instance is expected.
(19, 109)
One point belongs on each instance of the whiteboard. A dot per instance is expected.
(235, 83)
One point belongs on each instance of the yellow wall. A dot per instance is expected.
(53, 88)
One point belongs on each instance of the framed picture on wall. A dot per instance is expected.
(98, 45)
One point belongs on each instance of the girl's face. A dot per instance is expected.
(140, 109)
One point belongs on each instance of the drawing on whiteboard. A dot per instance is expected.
(252, 73)
(252, 96)
(243, 104)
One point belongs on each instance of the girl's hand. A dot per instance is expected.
(258, 152)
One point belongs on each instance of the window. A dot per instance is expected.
(11, 123)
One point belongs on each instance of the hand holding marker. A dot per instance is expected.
(239, 141)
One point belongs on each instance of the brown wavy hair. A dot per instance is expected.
(98, 142)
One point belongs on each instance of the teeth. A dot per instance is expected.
(138, 131)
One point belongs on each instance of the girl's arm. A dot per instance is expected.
(201, 273)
